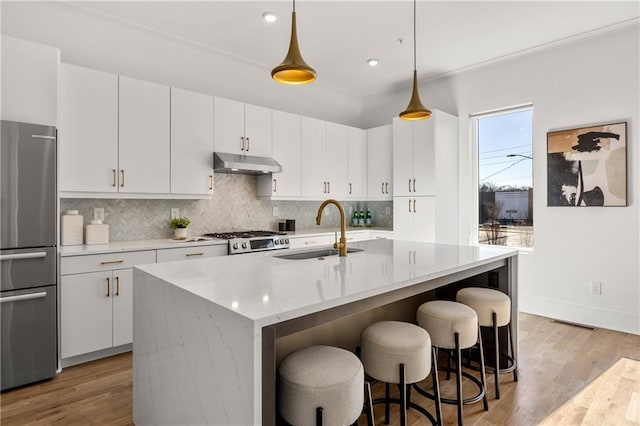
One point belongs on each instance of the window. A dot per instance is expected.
(505, 176)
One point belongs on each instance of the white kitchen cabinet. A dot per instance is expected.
(96, 301)
(336, 160)
(29, 81)
(144, 148)
(313, 182)
(242, 128)
(414, 218)
(88, 130)
(380, 163)
(357, 167)
(191, 143)
(380, 235)
(192, 252)
(286, 151)
(296, 241)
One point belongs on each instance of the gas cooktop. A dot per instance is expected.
(243, 234)
(250, 241)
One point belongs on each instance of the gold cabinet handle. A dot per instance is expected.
(310, 242)
(108, 286)
(115, 173)
(194, 254)
(329, 187)
(248, 144)
(117, 286)
(409, 185)
(409, 206)
(122, 180)
(325, 188)
(350, 188)
(382, 189)
(241, 143)
(111, 262)
(275, 185)
(386, 187)
(414, 185)
(414, 205)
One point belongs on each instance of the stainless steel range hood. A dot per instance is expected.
(244, 164)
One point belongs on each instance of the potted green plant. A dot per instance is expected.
(180, 225)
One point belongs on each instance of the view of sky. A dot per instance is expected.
(499, 136)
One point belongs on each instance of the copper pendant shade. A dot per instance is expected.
(293, 70)
(415, 110)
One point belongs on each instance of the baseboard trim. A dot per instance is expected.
(92, 356)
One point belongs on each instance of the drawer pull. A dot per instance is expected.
(19, 256)
(117, 286)
(111, 262)
(108, 286)
(210, 182)
(194, 254)
(310, 242)
(381, 238)
(30, 296)
(114, 177)
(122, 182)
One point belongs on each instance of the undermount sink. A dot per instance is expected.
(316, 254)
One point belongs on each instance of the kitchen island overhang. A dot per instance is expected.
(205, 331)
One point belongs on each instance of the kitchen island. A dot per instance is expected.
(208, 333)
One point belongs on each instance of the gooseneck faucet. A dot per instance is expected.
(342, 244)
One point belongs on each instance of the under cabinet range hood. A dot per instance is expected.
(244, 164)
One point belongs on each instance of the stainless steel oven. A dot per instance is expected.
(253, 241)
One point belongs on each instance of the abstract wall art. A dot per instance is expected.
(587, 166)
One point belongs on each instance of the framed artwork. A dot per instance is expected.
(587, 166)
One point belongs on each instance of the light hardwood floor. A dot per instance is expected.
(567, 376)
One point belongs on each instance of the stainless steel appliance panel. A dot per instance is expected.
(28, 341)
(27, 185)
(27, 268)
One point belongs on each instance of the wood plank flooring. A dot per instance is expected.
(567, 376)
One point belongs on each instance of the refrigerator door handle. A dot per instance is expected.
(30, 296)
(17, 256)
(43, 137)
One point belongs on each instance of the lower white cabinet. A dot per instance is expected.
(414, 219)
(194, 252)
(310, 241)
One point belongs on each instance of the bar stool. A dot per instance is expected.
(400, 353)
(322, 384)
(494, 310)
(454, 326)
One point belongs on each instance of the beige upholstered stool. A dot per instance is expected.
(322, 384)
(400, 353)
(494, 310)
(454, 326)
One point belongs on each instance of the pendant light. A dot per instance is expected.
(415, 110)
(293, 70)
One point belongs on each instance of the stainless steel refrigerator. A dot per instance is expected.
(28, 264)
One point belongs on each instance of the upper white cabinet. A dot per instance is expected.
(380, 163)
(414, 218)
(144, 150)
(29, 81)
(286, 151)
(337, 163)
(191, 143)
(414, 157)
(357, 167)
(88, 130)
(242, 128)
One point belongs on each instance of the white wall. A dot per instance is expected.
(587, 82)
(97, 43)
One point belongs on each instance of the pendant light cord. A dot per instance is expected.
(414, 34)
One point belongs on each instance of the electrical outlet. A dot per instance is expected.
(596, 288)
(387, 211)
(276, 211)
(175, 213)
(98, 213)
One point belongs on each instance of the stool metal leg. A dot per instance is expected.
(458, 377)
(319, 416)
(436, 385)
(403, 397)
(386, 403)
(513, 354)
(368, 403)
(496, 373)
(483, 377)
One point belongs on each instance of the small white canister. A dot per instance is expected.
(96, 233)
(71, 228)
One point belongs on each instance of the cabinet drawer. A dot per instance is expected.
(318, 240)
(105, 262)
(193, 252)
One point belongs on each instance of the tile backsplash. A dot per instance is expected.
(234, 206)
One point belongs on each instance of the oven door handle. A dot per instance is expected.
(18, 256)
(20, 297)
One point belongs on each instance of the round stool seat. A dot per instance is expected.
(485, 302)
(321, 376)
(442, 319)
(387, 344)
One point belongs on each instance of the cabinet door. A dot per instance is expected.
(257, 130)
(403, 218)
(424, 156)
(144, 137)
(286, 151)
(337, 163)
(228, 129)
(357, 163)
(402, 157)
(380, 162)
(424, 219)
(85, 312)
(122, 296)
(312, 158)
(191, 143)
(88, 130)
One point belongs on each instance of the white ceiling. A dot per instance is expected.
(337, 37)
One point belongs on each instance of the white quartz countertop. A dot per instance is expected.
(267, 290)
(137, 245)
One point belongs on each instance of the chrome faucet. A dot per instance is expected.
(342, 245)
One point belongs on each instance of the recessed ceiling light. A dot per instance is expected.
(372, 62)
(269, 17)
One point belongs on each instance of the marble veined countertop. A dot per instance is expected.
(266, 289)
